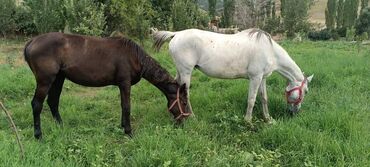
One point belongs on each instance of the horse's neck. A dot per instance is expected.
(286, 66)
(158, 76)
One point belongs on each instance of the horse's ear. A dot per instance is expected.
(309, 79)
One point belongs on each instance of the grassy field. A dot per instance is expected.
(332, 130)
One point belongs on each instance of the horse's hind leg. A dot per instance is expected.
(54, 95)
(37, 101)
(263, 91)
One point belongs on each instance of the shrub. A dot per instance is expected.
(185, 14)
(324, 34)
(85, 17)
(350, 34)
(24, 21)
(7, 11)
(47, 15)
(363, 23)
(133, 17)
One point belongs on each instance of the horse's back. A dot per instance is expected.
(222, 55)
(85, 60)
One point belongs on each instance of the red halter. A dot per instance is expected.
(299, 88)
(182, 113)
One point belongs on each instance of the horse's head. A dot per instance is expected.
(295, 92)
(177, 103)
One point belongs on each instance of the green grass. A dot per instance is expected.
(332, 130)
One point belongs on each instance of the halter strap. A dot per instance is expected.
(182, 113)
(299, 88)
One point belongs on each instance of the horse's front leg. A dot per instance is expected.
(263, 92)
(254, 84)
(185, 78)
(125, 90)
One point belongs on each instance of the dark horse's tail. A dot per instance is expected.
(25, 52)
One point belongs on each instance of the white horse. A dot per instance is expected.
(250, 54)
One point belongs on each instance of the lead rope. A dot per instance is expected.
(14, 129)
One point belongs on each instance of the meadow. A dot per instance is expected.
(333, 128)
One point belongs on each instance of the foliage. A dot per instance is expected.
(364, 4)
(324, 34)
(185, 14)
(212, 8)
(350, 34)
(24, 21)
(48, 15)
(294, 16)
(273, 25)
(163, 11)
(340, 14)
(350, 13)
(228, 14)
(330, 13)
(85, 17)
(132, 17)
(363, 23)
(7, 11)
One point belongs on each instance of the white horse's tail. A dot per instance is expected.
(160, 37)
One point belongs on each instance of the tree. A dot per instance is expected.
(162, 13)
(85, 17)
(350, 13)
(294, 15)
(133, 17)
(212, 8)
(48, 15)
(184, 14)
(227, 17)
(363, 23)
(340, 14)
(330, 13)
(364, 4)
(7, 11)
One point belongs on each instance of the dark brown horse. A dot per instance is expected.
(95, 62)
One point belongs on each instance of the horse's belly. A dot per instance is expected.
(90, 78)
(224, 72)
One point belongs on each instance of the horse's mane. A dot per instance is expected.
(259, 33)
(151, 69)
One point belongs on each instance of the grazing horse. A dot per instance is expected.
(96, 62)
(250, 54)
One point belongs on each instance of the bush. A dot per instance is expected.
(24, 21)
(85, 17)
(185, 14)
(7, 11)
(324, 34)
(133, 17)
(363, 23)
(350, 34)
(273, 25)
(47, 15)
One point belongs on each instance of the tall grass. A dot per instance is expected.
(332, 130)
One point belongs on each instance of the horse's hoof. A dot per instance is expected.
(270, 121)
(248, 120)
(128, 132)
(38, 135)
